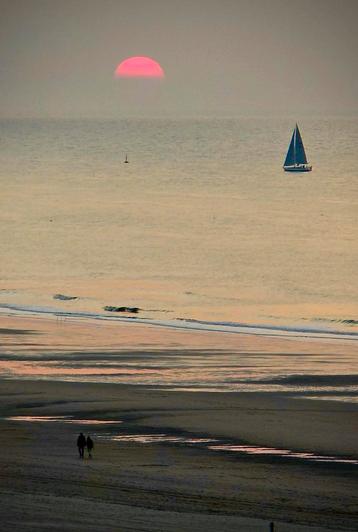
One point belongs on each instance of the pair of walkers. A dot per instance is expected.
(83, 442)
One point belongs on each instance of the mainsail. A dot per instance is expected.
(296, 152)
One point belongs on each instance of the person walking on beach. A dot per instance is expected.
(90, 446)
(81, 444)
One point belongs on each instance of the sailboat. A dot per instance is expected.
(296, 160)
(126, 159)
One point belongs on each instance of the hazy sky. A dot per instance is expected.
(220, 57)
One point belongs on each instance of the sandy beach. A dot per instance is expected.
(157, 464)
(129, 485)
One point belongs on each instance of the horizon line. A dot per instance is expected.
(224, 116)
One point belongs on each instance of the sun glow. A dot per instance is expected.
(139, 67)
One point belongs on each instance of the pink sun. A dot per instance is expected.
(139, 67)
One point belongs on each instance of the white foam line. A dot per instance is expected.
(193, 325)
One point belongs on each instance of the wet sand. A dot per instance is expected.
(161, 485)
(169, 487)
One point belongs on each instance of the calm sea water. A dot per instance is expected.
(202, 223)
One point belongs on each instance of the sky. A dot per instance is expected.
(220, 58)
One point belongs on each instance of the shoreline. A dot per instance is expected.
(77, 350)
(190, 324)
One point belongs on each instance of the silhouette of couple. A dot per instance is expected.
(83, 442)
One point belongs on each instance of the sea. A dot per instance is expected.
(202, 228)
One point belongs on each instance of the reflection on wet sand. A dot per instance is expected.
(221, 446)
(243, 449)
(163, 438)
(159, 438)
(62, 419)
(284, 453)
(107, 352)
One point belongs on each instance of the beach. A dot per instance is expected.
(179, 249)
(161, 486)
(179, 255)
(156, 464)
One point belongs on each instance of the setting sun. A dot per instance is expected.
(139, 67)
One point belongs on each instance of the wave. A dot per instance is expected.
(344, 321)
(192, 324)
(284, 328)
(63, 297)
